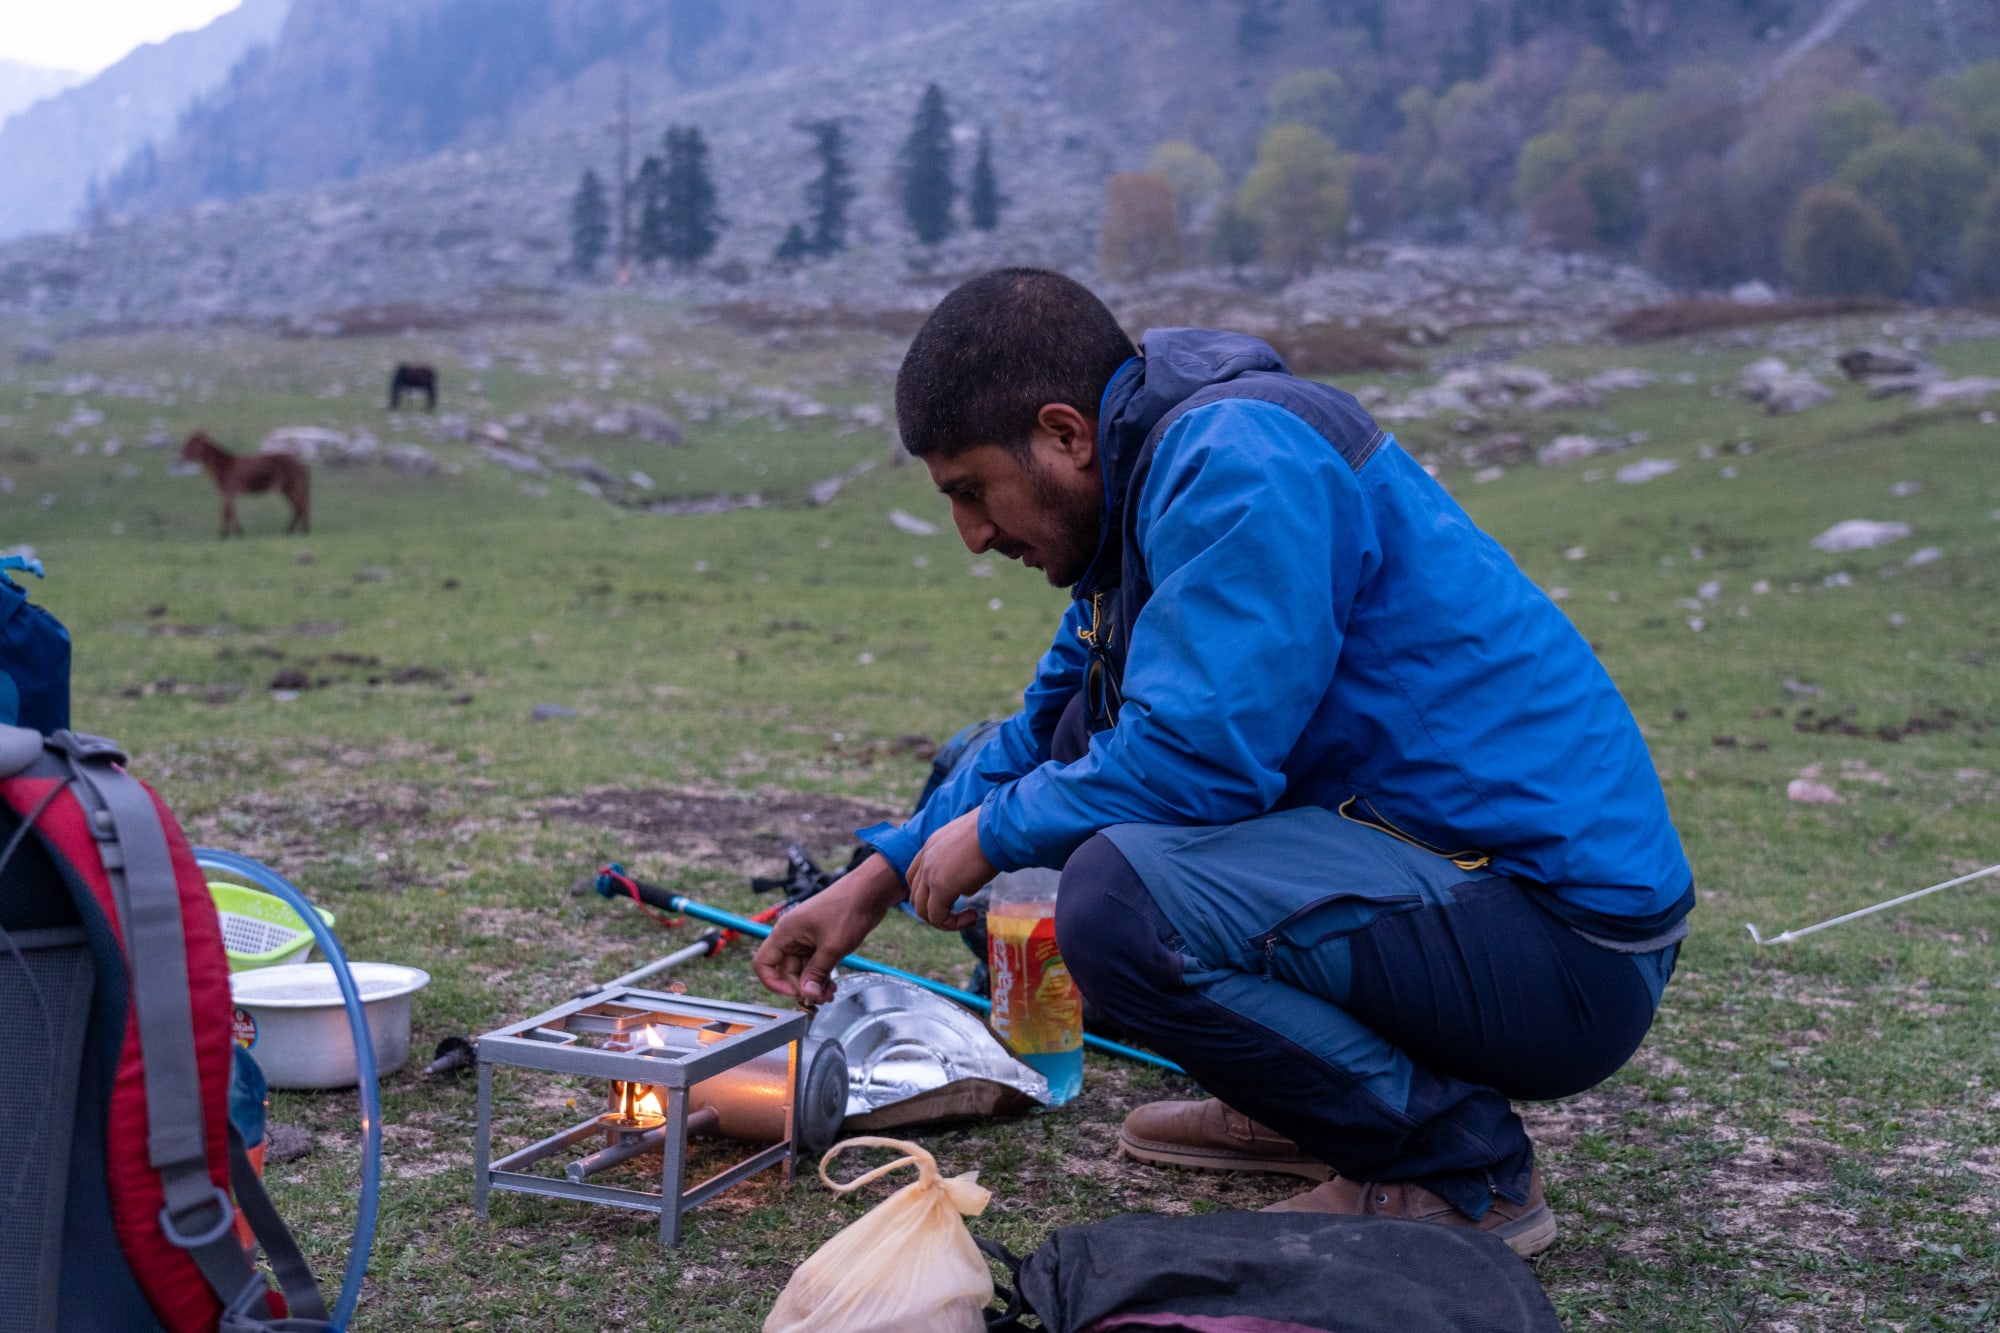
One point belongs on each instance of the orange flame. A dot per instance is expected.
(650, 1103)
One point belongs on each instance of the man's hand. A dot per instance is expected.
(810, 939)
(950, 865)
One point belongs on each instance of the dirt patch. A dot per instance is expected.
(1673, 318)
(765, 316)
(720, 828)
(1335, 349)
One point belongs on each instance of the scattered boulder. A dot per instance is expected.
(1620, 378)
(910, 523)
(629, 346)
(1876, 362)
(1754, 292)
(589, 469)
(1859, 534)
(411, 458)
(34, 352)
(310, 443)
(1646, 469)
(1782, 390)
(1572, 449)
(1508, 447)
(1807, 792)
(550, 712)
(1968, 392)
(513, 460)
(1563, 398)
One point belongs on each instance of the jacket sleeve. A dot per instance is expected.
(1257, 540)
(1021, 743)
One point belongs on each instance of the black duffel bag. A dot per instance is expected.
(1272, 1273)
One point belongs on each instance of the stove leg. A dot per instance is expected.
(673, 1167)
(482, 1142)
(795, 1109)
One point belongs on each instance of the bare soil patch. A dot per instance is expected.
(1670, 319)
(719, 827)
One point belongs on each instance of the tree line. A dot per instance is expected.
(679, 220)
(1837, 179)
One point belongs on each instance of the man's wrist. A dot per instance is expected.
(875, 883)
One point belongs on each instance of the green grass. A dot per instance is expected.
(1809, 1140)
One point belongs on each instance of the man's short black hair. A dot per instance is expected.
(999, 349)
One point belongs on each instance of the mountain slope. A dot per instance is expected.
(50, 152)
(23, 85)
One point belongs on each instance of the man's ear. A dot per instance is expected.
(1073, 434)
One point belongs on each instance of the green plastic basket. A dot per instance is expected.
(260, 929)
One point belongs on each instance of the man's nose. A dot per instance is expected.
(974, 529)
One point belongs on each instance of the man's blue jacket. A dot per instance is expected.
(1327, 627)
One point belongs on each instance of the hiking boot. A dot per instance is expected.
(1528, 1228)
(1208, 1136)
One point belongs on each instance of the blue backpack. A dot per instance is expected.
(34, 657)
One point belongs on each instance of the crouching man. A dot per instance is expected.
(1351, 823)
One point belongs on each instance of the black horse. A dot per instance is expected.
(415, 379)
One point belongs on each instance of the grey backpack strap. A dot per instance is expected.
(294, 1275)
(197, 1217)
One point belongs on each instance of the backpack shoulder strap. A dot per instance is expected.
(197, 1216)
(288, 1263)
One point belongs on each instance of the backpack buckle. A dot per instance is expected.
(171, 1228)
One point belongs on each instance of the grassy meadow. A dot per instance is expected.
(1810, 1140)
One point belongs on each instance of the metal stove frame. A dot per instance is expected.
(519, 1045)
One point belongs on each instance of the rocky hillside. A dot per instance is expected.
(50, 152)
(386, 152)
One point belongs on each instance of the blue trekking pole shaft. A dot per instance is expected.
(715, 916)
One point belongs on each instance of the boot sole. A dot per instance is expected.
(1529, 1234)
(1216, 1159)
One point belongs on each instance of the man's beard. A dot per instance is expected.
(1078, 523)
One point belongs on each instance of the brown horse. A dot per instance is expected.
(234, 474)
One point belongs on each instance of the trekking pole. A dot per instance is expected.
(1790, 935)
(614, 883)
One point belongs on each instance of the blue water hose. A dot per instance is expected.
(269, 880)
(715, 916)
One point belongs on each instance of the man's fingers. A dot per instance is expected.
(776, 967)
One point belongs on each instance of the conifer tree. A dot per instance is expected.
(928, 188)
(829, 193)
(982, 199)
(589, 224)
(650, 192)
(691, 222)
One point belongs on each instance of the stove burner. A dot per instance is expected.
(676, 1066)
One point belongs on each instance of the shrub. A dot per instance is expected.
(1195, 177)
(1315, 97)
(1141, 234)
(1693, 236)
(1979, 258)
(1925, 184)
(1849, 124)
(1295, 193)
(1972, 96)
(1701, 113)
(1616, 201)
(1373, 199)
(1839, 244)
(1545, 161)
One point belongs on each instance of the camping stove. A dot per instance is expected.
(676, 1066)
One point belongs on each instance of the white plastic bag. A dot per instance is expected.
(908, 1265)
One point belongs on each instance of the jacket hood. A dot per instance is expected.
(1172, 365)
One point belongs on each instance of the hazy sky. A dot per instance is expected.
(87, 35)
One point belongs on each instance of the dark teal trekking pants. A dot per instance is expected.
(1369, 1000)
